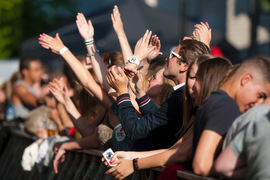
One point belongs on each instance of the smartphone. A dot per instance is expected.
(108, 154)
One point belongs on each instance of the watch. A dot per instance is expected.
(134, 60)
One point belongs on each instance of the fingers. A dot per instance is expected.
(146, 36)
(81, 19)
(55, 166)
(110, 170)
(122, 73)
(114, 157)
(90, 24)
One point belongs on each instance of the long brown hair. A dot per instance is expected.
(88, 105)
(187, 99)
(210, 74)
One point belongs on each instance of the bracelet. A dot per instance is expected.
(89, 42)
(94, 53)
(135, 164)
(63, 50)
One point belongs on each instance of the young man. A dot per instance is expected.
(247, 86)
(247, 155)
(23, 96)
(159, 124)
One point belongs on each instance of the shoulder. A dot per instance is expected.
(19, 89)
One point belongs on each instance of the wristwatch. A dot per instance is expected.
(134, 60)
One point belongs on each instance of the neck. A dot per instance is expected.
(180, 79)
(227, 87)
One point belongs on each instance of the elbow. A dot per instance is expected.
(220, 169)
(200, 169)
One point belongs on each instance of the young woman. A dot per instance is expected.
(182, 151)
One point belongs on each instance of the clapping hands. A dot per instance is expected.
(59, 90)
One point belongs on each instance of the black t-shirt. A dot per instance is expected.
(216, 114)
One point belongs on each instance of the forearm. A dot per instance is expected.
(83, 143)
(144, 66)
(86, 78)
(81, 124)
(99, 66)
(80, 71)
(164, 157)
(125, 47)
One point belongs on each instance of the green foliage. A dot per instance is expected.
(10, 27)
(22, 19)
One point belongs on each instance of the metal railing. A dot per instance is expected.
(85, 164)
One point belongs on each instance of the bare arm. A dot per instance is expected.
(86, 30)
(60, 92)
(229, 165)
(87, 142)
(24, 95)
(55, 44)
(205, 152)
(121, 35)
(178, 153)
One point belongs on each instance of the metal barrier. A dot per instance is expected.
(78, 165)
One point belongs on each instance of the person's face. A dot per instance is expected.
(35, 71)
(155, 84)
(252, 95)
(191, 80)
(172, 67)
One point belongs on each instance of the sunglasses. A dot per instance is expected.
(173, 54)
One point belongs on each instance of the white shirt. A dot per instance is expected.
(178, 86)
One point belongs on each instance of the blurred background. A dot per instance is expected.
(240, 28)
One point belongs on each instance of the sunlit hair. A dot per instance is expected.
(167, 86)
(229, 74)
(113, 58)
(191, 49)
(210, 74)
(187, 99)
(258, 66)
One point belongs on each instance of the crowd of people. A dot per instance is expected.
(192, 111)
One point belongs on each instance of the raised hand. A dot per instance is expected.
(117, 80)
(59, 90)
(53, 44)
(202, 32)
(117, 21)
(85, 28)
(155, 42)
(142, 48)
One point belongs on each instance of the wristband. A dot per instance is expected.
(89, 42)
(135, 164)
(63, 50)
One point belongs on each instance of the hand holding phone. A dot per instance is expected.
(108, 155)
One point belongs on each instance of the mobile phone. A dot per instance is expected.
(108, 154)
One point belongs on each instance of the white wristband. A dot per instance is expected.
(63, 50)
(89, 40)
